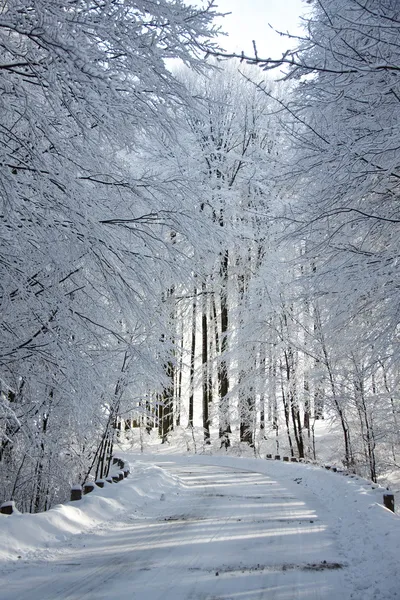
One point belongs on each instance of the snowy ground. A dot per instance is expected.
(208, 528)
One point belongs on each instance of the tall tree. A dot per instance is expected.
(343, 122)
(82, 232)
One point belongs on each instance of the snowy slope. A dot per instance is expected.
(214, 527)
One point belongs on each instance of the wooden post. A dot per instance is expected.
(285, 459)
(120, 475)
(388, 500)
(126, 472)
(100, 483)
(76, 493)
(109, 480)
(87, 488)
(269, 456)
(294, 459)
(115, 478)
(7, 508)
(277, 457)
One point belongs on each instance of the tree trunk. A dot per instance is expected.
(223, 381)
(286, 408)
(262, 385)
(204, 365)
(166, 406)
(103, 455)
(179, 378)
(348, 453)
(192, 358)
(366, 425)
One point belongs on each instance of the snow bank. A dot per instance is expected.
(21, 535)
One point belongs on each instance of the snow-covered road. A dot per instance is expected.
(212, 530)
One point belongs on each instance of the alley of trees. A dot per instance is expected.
(199, 245)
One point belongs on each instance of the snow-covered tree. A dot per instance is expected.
(86, 239)
(343, 122)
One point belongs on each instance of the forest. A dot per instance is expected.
(193, 243)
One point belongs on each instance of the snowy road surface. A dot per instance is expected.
(218, 533)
